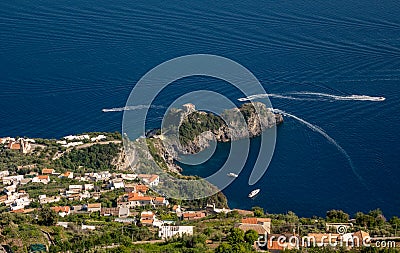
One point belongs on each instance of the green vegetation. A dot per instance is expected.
(11, 159)
(155, 153)
(196, 123)
(94, 158)
(213, 233)
(238, 241)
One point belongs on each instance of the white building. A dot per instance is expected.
(84, 195)
(43, 199)
(98, 138)
(20, 203)
(4, 173)
(129, 177)
(170, 231)
(118, 183)
(75, 187)
(87, 227)
(44, 179)
(77, 137)
(98, 176)
(62, 210)
(89, 187)
(12, 179)
(151, 180)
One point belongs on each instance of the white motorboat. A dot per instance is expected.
(233, 174)
(254, 193)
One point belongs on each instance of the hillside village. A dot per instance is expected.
(88, 202)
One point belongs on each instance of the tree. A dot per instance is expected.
(223, 248)
(235, 236)
(250, 236)
(47, 217)
(337, 216)
(258, 211)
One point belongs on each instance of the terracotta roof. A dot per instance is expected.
(47, 171)
(274, 245)
(255, 220)
(3, 198)
(43, 177)
(59, 209)
(151, 178)
(194, 215)
(136, 197)
(147, 221)
(24, 210)
(175, 207)
(110, 210)
(94, 205)
(14, 146)
(159, 199)
(141, 188)
(249, 220)
(263, 219)
(256, 227)
(147, 215)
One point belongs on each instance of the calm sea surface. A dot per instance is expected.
(62, 62)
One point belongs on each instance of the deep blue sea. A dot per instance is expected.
(62, 62)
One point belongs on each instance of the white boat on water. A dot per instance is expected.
(254, 193)
(233, 174)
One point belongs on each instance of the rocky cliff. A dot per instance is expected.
(189, 131)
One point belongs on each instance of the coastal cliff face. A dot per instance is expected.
(198, 128)
(189, 131)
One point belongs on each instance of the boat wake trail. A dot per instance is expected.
(324, 134)
(131, 108)
(314, 96)
(271, 95)
(336, 97)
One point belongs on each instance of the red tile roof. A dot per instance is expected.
(66, 174)
(94, 205)
(47, 171)
(141, 188)
(59, 209)
(252, 220)
(274, 245)
(136, 197)
(256, 227)
(14, 146)
(249, 220)
(160, 199)
(195, 215)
